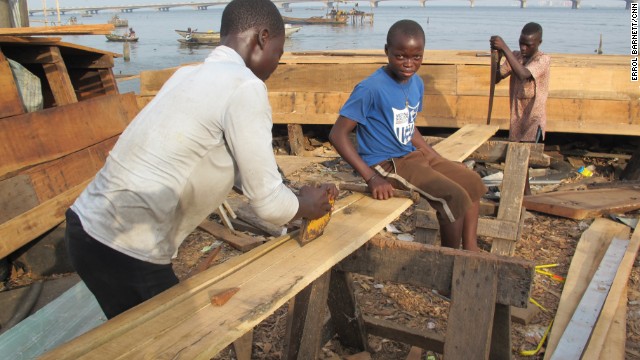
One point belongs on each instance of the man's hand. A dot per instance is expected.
(314, 201)
(497, 43)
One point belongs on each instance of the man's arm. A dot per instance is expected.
(339, 137)
(517, 69)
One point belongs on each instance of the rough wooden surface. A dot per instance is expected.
(584, 204)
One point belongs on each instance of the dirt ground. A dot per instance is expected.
(546, 240)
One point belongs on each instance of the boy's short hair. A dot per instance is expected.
(532, 29)
(406, 27)
(242, 15)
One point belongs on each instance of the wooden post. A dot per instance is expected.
(347, 320)
(305, 319)
(296, 139)
(126, 51)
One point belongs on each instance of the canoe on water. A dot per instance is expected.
(121, 38)
(317, 20)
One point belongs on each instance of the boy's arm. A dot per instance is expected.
(339, 137)
(516, 67)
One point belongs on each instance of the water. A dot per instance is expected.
(447, 27)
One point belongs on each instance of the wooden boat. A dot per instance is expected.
(317, 20)
(213, 38)
(121, 38)
(588, 94)
(117, 22)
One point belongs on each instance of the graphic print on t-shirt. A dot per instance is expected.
(404, 123)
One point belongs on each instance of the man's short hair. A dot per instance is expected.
(405, 27)
(532, 29)
(241, 15)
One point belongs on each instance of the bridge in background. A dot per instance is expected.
(575, 4)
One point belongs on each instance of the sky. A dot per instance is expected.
(38, 4)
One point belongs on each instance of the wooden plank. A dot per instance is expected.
(93, 29)
(589, 251)
(243, 345)
(584, 204)
(184, 323)
(35, 222)
(403, 262)
(470, 320)
(56, 132)
(296, 139)
(576, 335)
(615, 342)
(290, 164)
(511, 194)
(10, 101)
(244, 212)
(616, 293)
(58, 77)
(429, 340)
(16, 196)
(73, 313)
(238, 241)
(306, 313)
(465, 141)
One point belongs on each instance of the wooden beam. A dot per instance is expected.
(346, 318)
(94, 29)
(58, 77)
(10, 101)
(465, 141)
(304, 318)
(585, 204)
(35, 222)
(589, 251)
(473, 301)
(429, 340)
(59, 131)
(398, 261)
(238, 241)
(181, 320)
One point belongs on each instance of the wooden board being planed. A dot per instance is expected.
(181, 323)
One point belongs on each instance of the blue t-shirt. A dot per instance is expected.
(385, 111)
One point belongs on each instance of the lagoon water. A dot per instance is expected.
(447, 27)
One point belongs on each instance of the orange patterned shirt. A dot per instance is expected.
(528, 98)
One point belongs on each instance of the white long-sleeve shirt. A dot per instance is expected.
(208, 127)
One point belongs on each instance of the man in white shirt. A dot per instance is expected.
(208, 128)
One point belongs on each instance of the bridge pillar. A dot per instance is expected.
(523, 4)
(285, 5)
(575, 4)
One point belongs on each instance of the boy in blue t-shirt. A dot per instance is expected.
(392, 152)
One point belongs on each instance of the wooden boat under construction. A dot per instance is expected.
(588, 93)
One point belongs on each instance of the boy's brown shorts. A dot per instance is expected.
(449, 187)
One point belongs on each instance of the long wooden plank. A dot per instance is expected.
(615, 342)
(58, 77)
(403, 262)
(584, 204)
(465, 141)
(618, 291)
(576, 335)
(93, 29)
(10, 101)
(589, 251)
(192, 328)
(56, 132)
(35, 222)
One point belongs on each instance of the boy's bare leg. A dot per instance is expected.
(451, 232)
(470, 228)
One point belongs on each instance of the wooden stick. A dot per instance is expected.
(97, 29)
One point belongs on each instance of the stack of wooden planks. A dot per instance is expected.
(591, 319)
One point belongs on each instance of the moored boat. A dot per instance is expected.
(121, 38)
(317, 20)
(118, 22)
